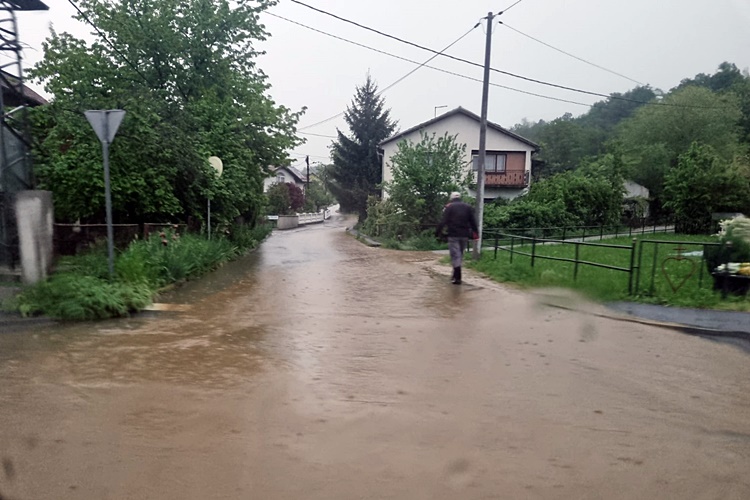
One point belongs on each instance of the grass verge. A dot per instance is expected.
(80, 289)
(670, 274)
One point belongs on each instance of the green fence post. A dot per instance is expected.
(640, 261)
(575, 266)
(632, 270)
(601, 232)
(497, 241)
(533, 250)
(511, 248)
(563, 238)
(653, 270)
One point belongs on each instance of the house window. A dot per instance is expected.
(494, 162)
(280, 178)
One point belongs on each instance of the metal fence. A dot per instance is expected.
(650, 270)
(583, 233)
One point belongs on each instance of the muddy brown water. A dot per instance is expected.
(319, 368)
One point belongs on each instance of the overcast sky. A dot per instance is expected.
(655, 42)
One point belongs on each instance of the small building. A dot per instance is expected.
(636, 199)
(282, 175)
(508, 163)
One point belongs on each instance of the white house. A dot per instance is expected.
(508, 164)
(282, 175)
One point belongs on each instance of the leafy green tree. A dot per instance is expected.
(357, 170)
(725, 78)
(567, 141)
(586, 197)
(185, 72)
(703, 183)
(424, 174)
(316, 197)
(655, 137)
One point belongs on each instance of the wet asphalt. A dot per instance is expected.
(320, 368)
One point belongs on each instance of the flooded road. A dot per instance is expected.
(319, 368)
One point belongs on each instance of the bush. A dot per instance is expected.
(735, 231)
(77, 297)
(81, 289)
(386, 220)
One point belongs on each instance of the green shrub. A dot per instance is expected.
(81, 289)
(247, 238)
(76, 297)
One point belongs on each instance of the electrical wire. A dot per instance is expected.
(571, 55)
(423, 64)
(318, 135)
(104, 37)
(507, 9)
(419, 65)
(507, 73)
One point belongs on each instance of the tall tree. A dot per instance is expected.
(185, 72)
(655, 137)
(357, 169)
(703, 183)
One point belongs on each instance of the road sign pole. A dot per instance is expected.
(108, 201)
(105, 124)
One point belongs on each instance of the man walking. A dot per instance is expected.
(460, 224)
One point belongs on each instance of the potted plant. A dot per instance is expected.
(729, 264)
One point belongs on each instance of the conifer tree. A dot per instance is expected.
(357, 169)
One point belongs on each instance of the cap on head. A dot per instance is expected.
(455, 195)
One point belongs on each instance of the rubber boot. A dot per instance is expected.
(456, 276)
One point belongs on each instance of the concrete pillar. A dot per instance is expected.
(34, 219)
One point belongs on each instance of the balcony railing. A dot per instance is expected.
(507, 179)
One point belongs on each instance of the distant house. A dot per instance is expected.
(12, 98)
(508, 164)
(282, 175)
(635, 200)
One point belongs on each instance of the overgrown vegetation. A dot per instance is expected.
(187, 97)
(81, 288)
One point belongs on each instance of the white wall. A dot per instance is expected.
(467, 132)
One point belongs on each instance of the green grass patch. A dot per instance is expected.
(81, 289)
(670, 274)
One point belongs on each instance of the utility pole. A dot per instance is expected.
(483, 138)
(307, 161)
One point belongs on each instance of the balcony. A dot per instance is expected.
(512, 179)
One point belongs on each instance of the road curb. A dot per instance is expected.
(364, 239)
(689, 329)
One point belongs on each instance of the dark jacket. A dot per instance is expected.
(458, 220)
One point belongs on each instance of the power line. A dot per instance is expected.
(506, 10)
(423, 64)
(419, 65)
(507, 73)
(318, 135)
(571, 55)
